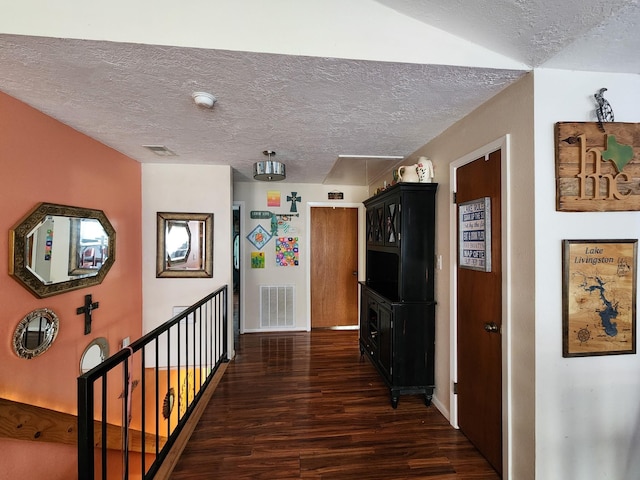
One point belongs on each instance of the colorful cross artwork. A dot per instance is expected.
(287, 252)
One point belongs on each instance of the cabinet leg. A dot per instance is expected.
(427, 399)
(394, 400)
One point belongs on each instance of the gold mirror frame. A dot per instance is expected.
(48, 333)
(201, 241)
(18, 242)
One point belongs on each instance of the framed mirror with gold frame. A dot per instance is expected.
(57, 248)
(184, 245)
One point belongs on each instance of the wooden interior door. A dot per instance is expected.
(334, 267)
(479, 320)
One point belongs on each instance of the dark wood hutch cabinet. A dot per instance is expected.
(397, 315)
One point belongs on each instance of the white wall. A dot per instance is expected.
(185, 189)
(253, 196)
(587, 409)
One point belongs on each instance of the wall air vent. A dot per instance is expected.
(160, 150)
(276, 306)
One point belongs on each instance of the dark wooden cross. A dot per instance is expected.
(293, 198)
(87, 309)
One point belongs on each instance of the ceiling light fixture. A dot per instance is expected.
(269, 170)
(204, 99)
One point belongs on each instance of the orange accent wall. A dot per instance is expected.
(43, 160)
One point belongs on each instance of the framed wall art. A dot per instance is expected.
(474, 234)
(259, 237)
(598, 297)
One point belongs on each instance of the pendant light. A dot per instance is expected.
(269, 170)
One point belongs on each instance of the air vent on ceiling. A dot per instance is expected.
(160, 150)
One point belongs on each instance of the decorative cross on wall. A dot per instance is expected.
(293, 198)
(87, 309)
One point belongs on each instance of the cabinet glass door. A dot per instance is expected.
(392, 223)
(379, 228)
(371, 225)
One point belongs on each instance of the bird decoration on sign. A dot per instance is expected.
(604, 112)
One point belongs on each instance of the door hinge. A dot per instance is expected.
(455, 388)
(455, 199)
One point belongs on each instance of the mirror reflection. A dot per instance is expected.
(178, 237)
(58, 248)
(78, 249)
(184, 245)
(35, 333)
(95, 353)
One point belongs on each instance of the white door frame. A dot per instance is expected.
(501, 144)
(361, 245)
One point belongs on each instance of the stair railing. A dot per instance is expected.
(133, 406)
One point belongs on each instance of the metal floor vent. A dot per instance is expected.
(276, 306)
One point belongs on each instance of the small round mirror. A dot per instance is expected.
(95, 353)
(35, 333)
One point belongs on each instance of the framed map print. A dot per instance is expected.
(598, 297)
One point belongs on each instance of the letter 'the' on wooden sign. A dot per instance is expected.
(597, 171)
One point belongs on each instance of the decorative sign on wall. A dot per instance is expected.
(335, 195)
(598, 297)
(597, 166)
(259, 237)
(260, 214)
(287, 252)
(474, 234)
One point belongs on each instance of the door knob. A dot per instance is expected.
(355, 273)
(491, 327)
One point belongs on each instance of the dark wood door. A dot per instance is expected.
(480, 321)
(334, 267)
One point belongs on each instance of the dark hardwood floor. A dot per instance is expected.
(308, 406)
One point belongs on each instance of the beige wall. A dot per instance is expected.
(508, 113)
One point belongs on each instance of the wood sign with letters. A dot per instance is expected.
(597, 166)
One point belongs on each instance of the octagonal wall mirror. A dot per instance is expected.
(35, 333)
(184, 245)
(58, 248)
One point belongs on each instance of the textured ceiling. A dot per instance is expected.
(310, 110)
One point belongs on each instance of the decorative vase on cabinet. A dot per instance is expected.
(397, 315)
